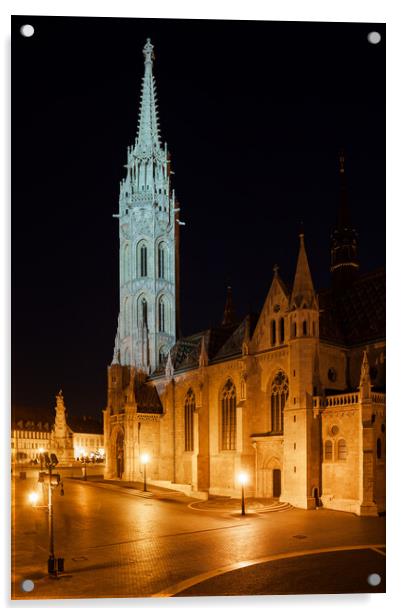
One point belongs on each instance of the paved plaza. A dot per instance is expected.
(119, 542)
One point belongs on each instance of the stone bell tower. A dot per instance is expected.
(149, 237)
(301, 458)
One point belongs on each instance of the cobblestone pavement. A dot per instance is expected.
(116, 544)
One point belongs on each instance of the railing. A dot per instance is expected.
(378, 398)
(338, 400)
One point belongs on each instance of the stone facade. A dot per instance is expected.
(294, 396)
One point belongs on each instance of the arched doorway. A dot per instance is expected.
(276, 482)
(119, 454)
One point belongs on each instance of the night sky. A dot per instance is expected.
(254, 114)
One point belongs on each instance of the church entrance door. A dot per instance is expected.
(276, 483)
(120, 455)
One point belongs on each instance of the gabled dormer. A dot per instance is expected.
(272, 329)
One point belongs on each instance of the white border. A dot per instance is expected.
(292, 10)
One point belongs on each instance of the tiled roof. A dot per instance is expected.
(358, 314)
(148, 400)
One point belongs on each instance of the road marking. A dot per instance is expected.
(379, 551)
(180, 586)
(185, 532)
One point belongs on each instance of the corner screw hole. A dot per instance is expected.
(374, 579)
(374, 38)
(27, 585)
(27, 30)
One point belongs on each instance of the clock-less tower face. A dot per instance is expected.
(147, 320)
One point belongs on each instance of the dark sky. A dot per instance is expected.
(254, 114)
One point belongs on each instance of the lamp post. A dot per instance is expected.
(145, 460)
(243, 478)
(55, 565)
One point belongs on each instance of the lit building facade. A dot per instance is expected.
(295, 395)
(34, 432)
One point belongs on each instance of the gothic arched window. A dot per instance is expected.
(126, 313)
(161, 261)
(143, 262)
(342, 449)
(144, 311)
(282, 330)
(189, 408)
(294, 329)
(161, 314)
(279, 395)
(273, 333)
(228, 421)
(304, 328)
(328, 451)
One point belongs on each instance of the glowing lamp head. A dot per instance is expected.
(144, 458)
(33, 498)
(41, 450)
(243, 478)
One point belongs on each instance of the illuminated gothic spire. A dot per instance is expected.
(303, 288)
(148, 138)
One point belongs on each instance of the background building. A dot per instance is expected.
(36, 431)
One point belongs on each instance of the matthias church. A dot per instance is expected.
(293, 396)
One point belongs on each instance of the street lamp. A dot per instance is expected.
(144, 460)
(33, 498)
(243, 479)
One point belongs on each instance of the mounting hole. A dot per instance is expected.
(374, 579)
(27, 585)
(27, 30)
(374, 37)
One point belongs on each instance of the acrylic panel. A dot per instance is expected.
(198, 308)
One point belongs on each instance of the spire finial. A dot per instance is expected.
(229, 316)
(148, 51)
(341, 161)
(275, 269)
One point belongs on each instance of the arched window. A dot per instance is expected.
(228, 403)
(304, 328)
(279, 395)
(189, 408)
(328, 451)
(161, 314)
(162, 355)
(143, 262)
(379, 447)
(282, 330)
(127, 357)
(144, 311)
(161, 261)
(294, 330)
(342, 449)
(273, 333)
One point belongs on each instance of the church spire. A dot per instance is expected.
(229, 315)
(344, 262)
(148, 127)
(303, 288)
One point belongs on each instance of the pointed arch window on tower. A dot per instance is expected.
(282, 330)
(143, 261)
(279, 395)
(273, 333)
(161, 261)
(189, 409)
(144, 311)
(304, 328)
(161, 314)
(228, 418)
